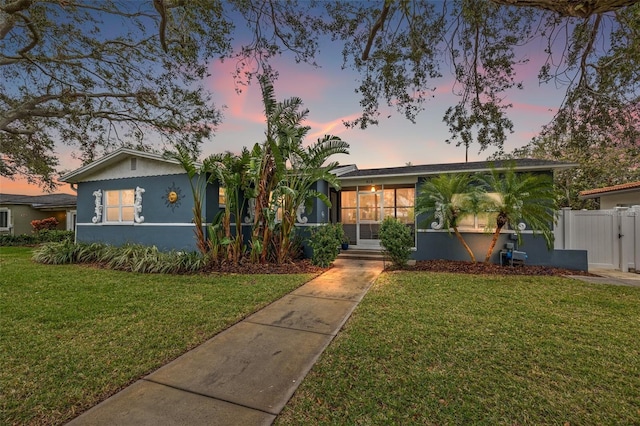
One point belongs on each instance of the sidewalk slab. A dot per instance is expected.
(325, 316)
(246, 374)
(149, 404)
(349, 280)
(252, 365)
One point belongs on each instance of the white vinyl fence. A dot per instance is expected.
(611, 237)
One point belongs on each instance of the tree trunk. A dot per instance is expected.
(464, 244)
(492, 246)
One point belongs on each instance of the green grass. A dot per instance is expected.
(71, 335)
(448, 349)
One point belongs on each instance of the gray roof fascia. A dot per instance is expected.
(435, 169)
(40, 202)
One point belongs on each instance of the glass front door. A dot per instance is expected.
(370, 215)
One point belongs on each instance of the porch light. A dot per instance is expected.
(373, 188)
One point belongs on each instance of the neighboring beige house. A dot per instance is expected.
(17, 211)
(623, 195)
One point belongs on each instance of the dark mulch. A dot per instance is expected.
(453, 266)
(478, 268)
(245, 267)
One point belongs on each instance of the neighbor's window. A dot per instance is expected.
(5, 218)
(119, 205)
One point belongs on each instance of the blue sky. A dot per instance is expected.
(328, 93)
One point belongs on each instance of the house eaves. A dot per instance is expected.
(47, 202)
(523, 165)
(108, 160)
(618, 189)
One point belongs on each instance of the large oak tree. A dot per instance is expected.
(94, 74)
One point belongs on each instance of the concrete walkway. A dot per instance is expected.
(611, 276)
(246, 374)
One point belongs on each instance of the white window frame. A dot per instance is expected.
(120, 206)
(8, 211)
(72, 220)
(477, 227)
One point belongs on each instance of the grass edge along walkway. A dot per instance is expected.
(72, 335)
(427, 348)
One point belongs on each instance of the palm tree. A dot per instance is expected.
(295, 190)
(448, 198)
(521, 198)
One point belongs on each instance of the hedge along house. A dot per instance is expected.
(130, 196)
(368, 196)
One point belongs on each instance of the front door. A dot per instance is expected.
(370, 214)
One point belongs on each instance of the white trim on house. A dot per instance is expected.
(161, 224)
(474, 231)
(9, 224)
(125, 163)
(72, 216)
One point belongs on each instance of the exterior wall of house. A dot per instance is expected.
(169, 226)
(22, 215)
(442, 245)
(625, 199)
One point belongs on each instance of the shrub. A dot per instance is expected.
(325, 241)
(57, 253)
(130, 257)
(54, 235)
(396, 240)
(44, 236)
(44, 224)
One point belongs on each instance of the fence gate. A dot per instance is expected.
(611, 237)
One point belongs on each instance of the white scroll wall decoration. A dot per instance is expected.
(97, 194)
(439, 216)
(251, 210)
(137, 205)
(299, 213)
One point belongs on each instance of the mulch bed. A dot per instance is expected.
(478, 268)
(245, 267)
(459, 267)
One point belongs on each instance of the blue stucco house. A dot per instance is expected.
(141, 197)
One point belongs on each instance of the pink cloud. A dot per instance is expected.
(23, 187)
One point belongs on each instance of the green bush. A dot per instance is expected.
(325, 241)
(130, 257)
(396, 240)
(44, 236)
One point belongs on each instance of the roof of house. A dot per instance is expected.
(598, 192)
(111, 159)
(40, 202)
(527, 164)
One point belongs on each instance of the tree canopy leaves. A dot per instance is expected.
(96, 75)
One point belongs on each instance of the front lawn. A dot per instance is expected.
(72, 335)
(452, 349)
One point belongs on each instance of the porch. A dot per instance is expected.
(362, 208)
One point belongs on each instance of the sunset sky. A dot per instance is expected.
(328, 93)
